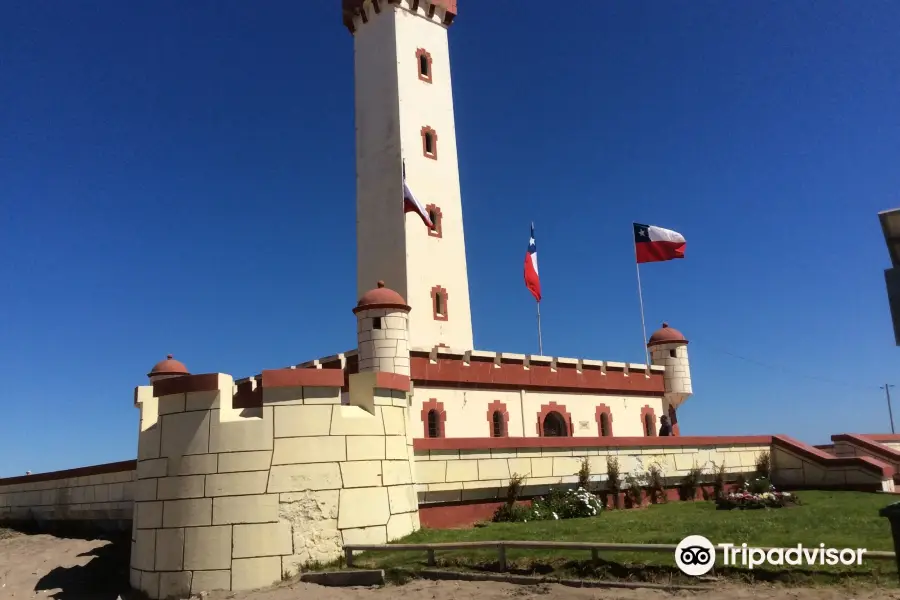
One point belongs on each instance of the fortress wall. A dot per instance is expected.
(472, 469)
(97, 497)
(239, 486)
(799, 465)
(468, 413)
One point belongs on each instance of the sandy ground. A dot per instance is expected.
(44, 566)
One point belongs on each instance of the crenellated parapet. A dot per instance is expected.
(240, 484)
(356, 13)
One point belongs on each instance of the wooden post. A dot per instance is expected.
(595, 557)
(501, 556)
(348, 557)
(431, 561)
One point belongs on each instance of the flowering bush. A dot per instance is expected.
(569, 504)
(758, 493)
(559, 504)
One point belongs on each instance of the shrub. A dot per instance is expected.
(584, 474)
(746, 498)
(656, 486)
(514, 488)
(688, 488)
(613, 479)
(764, 464)
(760, 485)
(566, 504)
(740, 482)
(634, 495)
(511, 511)
(719, 481)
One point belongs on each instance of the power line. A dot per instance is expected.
(794, 372)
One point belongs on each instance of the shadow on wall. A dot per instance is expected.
(103, 577)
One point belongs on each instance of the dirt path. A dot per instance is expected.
(44, 566)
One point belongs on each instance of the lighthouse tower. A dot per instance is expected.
(405, 124)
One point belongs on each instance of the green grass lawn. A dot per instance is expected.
(837, 519)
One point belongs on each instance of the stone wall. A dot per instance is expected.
(98, 497)
(230, 497)
(799, 465)
(480, 469)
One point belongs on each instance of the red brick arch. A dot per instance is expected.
(497, 406)
(546, 409)
(603, 409)
(652, 413)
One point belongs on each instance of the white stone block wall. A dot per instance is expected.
(97, 497)
(462, 475)
(237, 499)
(384, 349)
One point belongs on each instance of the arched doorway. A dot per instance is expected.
(555, 425)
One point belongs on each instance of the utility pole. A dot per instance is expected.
(887, 391)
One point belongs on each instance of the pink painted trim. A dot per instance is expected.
(279, 378)
(869, 445)
(391, 381)
(587, 442)
(880, 437)
(645, 412)
(828, 460)
(433, 405)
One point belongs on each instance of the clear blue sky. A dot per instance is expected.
(179, 177)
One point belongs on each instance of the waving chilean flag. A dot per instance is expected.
(532, 280)
(655, 244)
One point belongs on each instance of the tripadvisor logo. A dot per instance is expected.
(695, 555)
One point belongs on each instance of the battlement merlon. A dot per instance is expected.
(358, 12)
(272, 387)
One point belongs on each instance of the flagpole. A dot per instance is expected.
(641, 300)
(540, 340)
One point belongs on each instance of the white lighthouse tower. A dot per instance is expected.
(404, 118)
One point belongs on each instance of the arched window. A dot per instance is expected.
(649, 428)
(424, 60)
(555, 425)
(497, 424)
(429, 142)
(604, 425)
(434, 424)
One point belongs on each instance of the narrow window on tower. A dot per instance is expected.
(434, 213)
(429, 142)
(673, 353)
(439, 303)
(376, 323)
(423, 63)
(434, 425)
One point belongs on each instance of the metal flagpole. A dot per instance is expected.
(641, 299)
(540, 340)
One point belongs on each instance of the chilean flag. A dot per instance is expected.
(532, 280)
(655, 244)
(412, 204)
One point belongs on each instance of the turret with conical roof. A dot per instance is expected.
(668, 348)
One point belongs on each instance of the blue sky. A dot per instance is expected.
(179, 177)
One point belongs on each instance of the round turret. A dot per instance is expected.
(166, 369)
(383, 331)
(668, 348)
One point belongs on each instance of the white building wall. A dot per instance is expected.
(392, 106)
(466, 411)
(380, 236)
